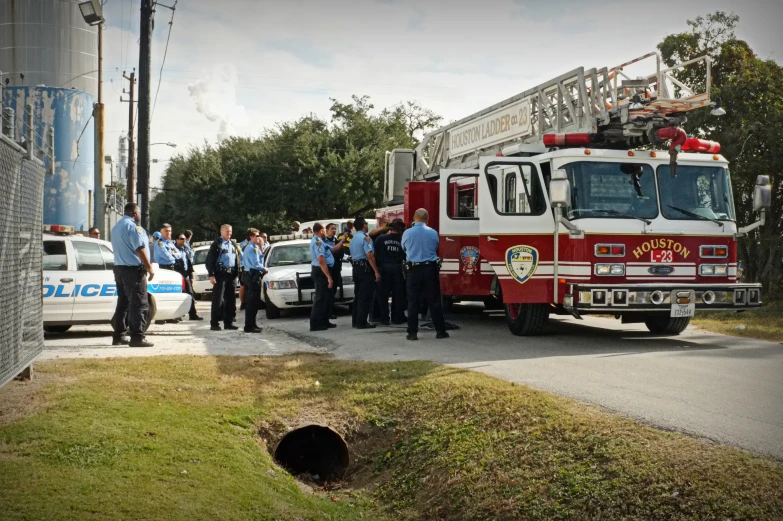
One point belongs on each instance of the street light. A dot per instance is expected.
(92, 12)
(172, 145)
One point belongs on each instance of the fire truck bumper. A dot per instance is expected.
(660, 297)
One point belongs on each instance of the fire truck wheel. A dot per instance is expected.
(272, 311)
(666, 325)
(56, 329)
(493, 303)
(526, 319)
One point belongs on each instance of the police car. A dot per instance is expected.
(79, 288)
(288, 282)
(202, 287)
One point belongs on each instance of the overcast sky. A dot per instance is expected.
(235, 67)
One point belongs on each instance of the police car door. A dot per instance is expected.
(96, 298)
(58, 280)
(517, 228)
(463, 271)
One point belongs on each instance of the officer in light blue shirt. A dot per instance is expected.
(420, 243)
(242, 246)
(253, 262)
(166, 253)
(322, 260)
(223, 268)
(130, 245)
(365, 274)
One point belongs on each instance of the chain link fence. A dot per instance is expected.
(21, 256)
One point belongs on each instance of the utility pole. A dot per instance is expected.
(145, 77)
(130, 189)
(99, 194)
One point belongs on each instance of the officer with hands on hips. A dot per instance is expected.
(253, 262)
(322, 262)
(365, 274)
(132, 269)
(420, 243)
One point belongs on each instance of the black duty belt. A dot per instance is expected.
(166, 266)
(225, 270)
(361, 263)
(424, 263)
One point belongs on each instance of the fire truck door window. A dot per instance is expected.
(462, 197)
(522, 193)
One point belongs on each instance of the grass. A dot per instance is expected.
(765, 323)
(110, 439)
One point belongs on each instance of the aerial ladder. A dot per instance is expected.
(610, 106)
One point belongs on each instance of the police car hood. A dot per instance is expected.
(287, 272)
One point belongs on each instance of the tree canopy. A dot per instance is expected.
(304, 169)
(751, 133)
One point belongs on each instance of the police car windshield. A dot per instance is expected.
(608, 190)
(289, 255)
(200, 256)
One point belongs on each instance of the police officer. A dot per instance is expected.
(167, 255)
(132, 269)
(242, 246)
(323, 261)
(365, 274)
(253, 262)
(222, 266)
(337, 246)
(420, 243)
(390, 256)
(185, 268)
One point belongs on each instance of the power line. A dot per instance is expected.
(165, 52)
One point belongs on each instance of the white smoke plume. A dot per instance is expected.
(216, 98)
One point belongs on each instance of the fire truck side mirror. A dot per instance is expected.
(762, 194)
(559, 190)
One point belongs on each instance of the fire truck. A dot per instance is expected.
(583, 195)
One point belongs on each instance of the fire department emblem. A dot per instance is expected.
(469, 255)
(521, 262)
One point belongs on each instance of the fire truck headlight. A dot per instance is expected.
(614, 270)
(712, 270)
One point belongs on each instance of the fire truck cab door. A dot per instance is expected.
(461, 273)
(517, 228)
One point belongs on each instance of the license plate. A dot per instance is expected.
(683, 310)
(661, 256)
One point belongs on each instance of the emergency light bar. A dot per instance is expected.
(58, 228)
(569, 140)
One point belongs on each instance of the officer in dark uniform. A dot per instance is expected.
(185, 268)
(390, 256)
(365, 274)
(132, 269)
(253, 262)
(321, 264)
(223, 268)
(420, 243)
(337, 246)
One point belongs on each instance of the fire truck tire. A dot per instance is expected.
(526, 319)
(666, 325)
(271, 310)
(493, 303)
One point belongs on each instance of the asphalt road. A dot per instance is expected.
(727, 389)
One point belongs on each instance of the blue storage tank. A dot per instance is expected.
(69, 111)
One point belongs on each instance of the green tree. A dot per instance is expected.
(750, 134)
(304, 169)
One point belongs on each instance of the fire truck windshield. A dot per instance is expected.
(698, 192)
(612, 190)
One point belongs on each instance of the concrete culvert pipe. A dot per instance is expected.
(313, 449)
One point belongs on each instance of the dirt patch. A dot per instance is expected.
(19, 399)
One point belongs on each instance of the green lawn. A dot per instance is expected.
(765, 323)
(184, 438)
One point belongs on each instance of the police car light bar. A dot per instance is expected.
(58, 228)
(290, 237)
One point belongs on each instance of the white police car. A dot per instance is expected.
(288, 282)
(79, 288)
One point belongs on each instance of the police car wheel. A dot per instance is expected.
(666, 325)
(272, 311)
(526, 319)
(56, 329)
(151, 313)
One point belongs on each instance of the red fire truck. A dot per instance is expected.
(583, 195)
